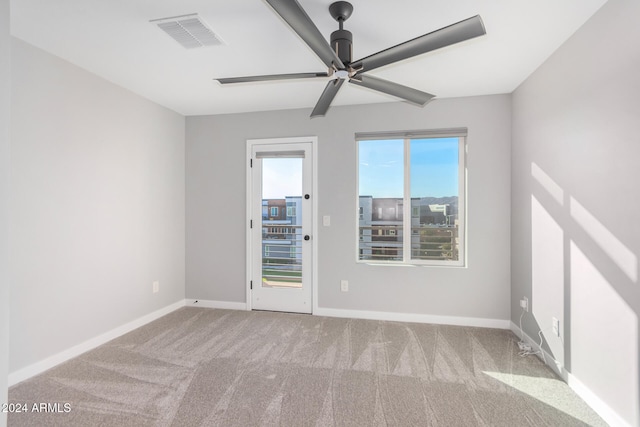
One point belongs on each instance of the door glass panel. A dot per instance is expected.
(282, 222)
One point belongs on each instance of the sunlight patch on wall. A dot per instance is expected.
(547, 275)
(604, 337)
(549, 184)
(620, 254)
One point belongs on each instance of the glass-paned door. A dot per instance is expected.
(281, 227)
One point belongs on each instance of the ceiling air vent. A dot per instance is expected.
(188, 30)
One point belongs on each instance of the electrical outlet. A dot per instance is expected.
(344, 285)
(524, 303)
(556, 326)
(156, 287)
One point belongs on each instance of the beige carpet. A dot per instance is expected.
(205, 367)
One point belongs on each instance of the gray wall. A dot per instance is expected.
(97, 206)
(216, 218)
(5, 92)
(575, 206)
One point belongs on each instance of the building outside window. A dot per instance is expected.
(282, 238)
(412, 184)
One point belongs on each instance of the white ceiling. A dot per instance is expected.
(114, 39)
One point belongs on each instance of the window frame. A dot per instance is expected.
(461, 134)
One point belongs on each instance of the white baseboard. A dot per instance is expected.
(601, 408)
(413, 318)
(372, 315)
(585, 393)
(227, 305)
(48, 363)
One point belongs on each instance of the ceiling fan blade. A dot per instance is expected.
(327, 96)
(455, 33)
(414, 96)
(270, 77)
(299, 21)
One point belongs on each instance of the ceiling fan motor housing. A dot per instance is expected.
(341, 42)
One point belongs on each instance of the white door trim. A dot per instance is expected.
(314, 206)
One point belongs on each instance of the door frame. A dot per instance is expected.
(251, 143)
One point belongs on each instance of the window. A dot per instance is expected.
(274, 211)
(291, 211)
(414, 185)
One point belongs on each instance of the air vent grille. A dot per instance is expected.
(189, 30)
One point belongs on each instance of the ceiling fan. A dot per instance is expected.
(337, 56)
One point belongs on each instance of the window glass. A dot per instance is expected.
(424, 174)
(434, 191)
(381, 182)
